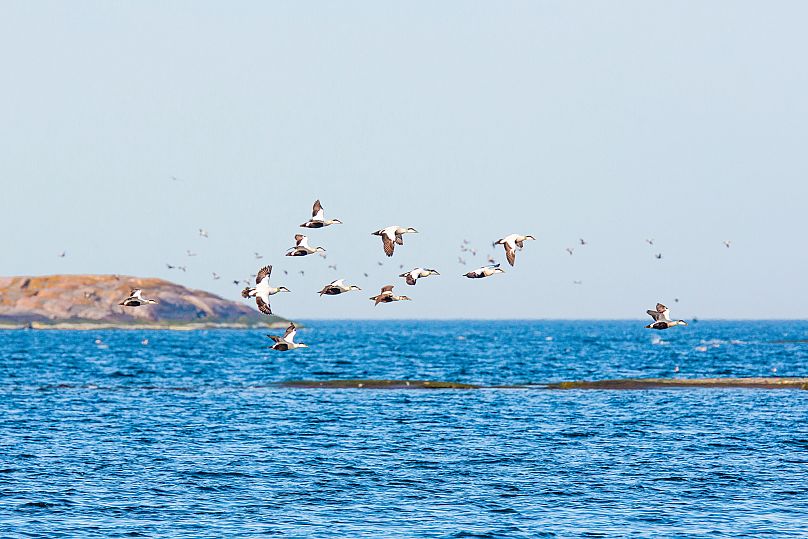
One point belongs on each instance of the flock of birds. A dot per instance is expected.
(391, 236)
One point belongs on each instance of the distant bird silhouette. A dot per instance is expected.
(569, 250)
(169, 266)
(258, 256)
(577, 282)
(727, 243)
(658, 256)
(649, 242)
(190, 253)
(333, 267)
(582, 241)
(461, 260)
(203, 232)
(62, 254)
(216, 276)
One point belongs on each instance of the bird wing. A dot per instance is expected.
(135, 293)
(299, 238)
(275, 338)
(510, 254)
(263, 306)
(263, 273)
(389, 245)
(387, 289)
(661, 308)
(654, 314)
(317, 211)
(289, 336)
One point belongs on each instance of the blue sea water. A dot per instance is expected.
(187, 436)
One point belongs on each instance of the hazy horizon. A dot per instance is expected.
(610, 122)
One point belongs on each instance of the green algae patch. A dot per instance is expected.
(376, 384)
(658, 383)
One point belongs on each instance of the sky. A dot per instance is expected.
(616, 122)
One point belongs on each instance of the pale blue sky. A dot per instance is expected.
(685, 122)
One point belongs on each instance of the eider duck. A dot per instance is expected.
(662, 320)
(334, 288)
(136, 299)
(511, 243)
(387, 296)
(392, 235)
(287, 342)
(302, 247)
(317, 220)
(484, 271)
(261, 291)
(414, 274)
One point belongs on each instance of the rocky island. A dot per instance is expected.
(91, 302)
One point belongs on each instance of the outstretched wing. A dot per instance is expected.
(275, 338)
(510, 254)
(654, 314)
(289, 336)
(263, 306)
(388, 288)
(299, 238)
(389, 246)
(317, 211)
(262, 273)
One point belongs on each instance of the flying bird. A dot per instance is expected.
(216, 276)
(287, 342)
(387, 296)
(136, 299)
(484, 271)
(649, 242)
(261, 291)
(582, 241)
(658, 256)
(511, 242)
(332, 266)
(190, 253)
(334, 288)
(662, 320)
(414, 274)
(258, 256)
(569, 250)
(317, 220)
(203, 232)
(392, 235)
(302, 247)
(169, 266)
(62, 254)
(727, 243)
(461, 260)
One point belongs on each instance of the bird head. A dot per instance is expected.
(682, 323)
(410, 229)
(404, 298)
(336, 222)
(499, 270)
(529, 237)
(354, 287)
(433, 272)
(283, 289)
(319, 250)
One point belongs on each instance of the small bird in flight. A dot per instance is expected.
(569, 250)
(317, 220)
(62, 254)
(216, 276)
(203, 232)
(387, 296)
(392, 235)
(258, 256)
(727, 243)
(136, 299)
(485, 271)
(190, 253)
(261, 291)
(337, 287)
(582, 241)
(658, 256)
(662, 320)
(511, 242)
(302, 247)
(287, 342)
(649, 242)
(414, 274)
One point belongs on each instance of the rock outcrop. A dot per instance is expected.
(91, 302)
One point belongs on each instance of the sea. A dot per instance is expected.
(174, 434)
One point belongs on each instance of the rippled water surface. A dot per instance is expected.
(187, 436)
